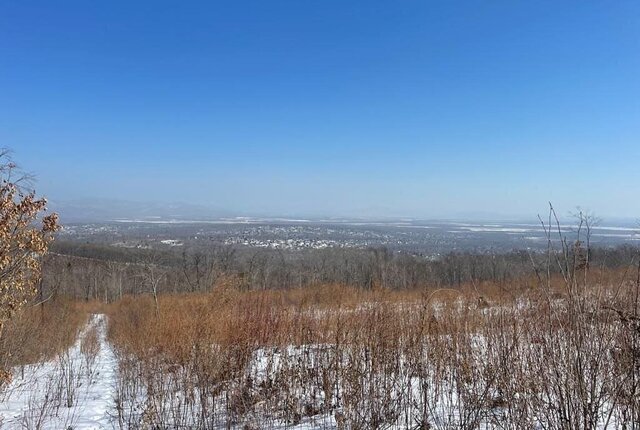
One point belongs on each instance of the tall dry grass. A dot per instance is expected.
(556, 355)
(38, 333)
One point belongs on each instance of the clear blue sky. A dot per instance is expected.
(413, 108)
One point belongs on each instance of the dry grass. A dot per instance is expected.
(41, 332)
(564, 355)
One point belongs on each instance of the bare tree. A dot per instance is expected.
(152, 274)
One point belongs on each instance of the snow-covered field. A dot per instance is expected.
(79, 390)
(90, 386)
(73, 391)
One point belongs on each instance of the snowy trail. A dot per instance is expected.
(75, 390)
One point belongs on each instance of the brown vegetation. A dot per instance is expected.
(562, 354)
(38, 333)
(22, 244)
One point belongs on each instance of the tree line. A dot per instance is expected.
(91, 271)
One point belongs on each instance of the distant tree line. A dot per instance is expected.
(90, 271)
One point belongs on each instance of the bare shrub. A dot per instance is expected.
(561, 353)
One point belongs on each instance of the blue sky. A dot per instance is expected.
(413, 108)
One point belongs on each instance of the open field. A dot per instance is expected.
(555, 356)
(337, 359)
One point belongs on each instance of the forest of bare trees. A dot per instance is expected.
(89, 271)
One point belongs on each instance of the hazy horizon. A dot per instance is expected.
(359, 109)
(110, 210)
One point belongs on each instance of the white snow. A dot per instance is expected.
(77, 390)
(73, 391)
(171, 242)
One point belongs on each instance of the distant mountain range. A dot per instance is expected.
(97, 210)
(104, 210)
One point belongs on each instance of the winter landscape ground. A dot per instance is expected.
(540, 356)
(73, 390)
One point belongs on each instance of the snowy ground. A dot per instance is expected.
(73, 391)
(78, 390)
